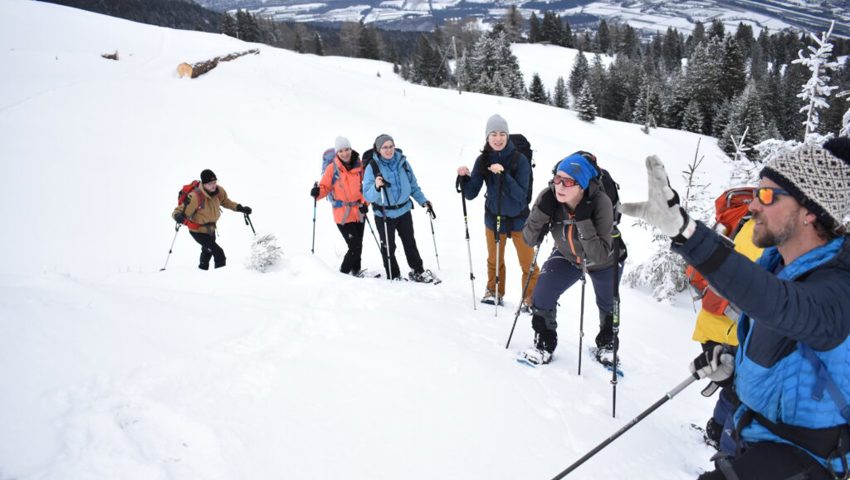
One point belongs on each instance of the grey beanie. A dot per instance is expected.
(341, 143)
(818, 178)
(496, 124)
(382, 139)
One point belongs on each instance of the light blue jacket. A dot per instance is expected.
(403, 186)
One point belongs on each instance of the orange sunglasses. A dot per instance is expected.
(767, 195)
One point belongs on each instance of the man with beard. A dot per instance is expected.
(792, 369)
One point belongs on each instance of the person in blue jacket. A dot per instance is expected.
(389, 185)
(506, 172)
(792, 369)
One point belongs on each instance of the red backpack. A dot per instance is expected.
(183, 199)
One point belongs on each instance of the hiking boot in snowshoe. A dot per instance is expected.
(713, 430)
(424, 276)
(605, 337)
(537, 356)
(490, 298)
(525, 307)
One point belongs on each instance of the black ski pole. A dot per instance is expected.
(386, 232)
(249, 222)
(672, 393)
(176, 230)
(615, 324)
(581, 316)
(498, 243)
(373, 235)
(525, 288)
(315, 200)
(431, 217)
(459, 188)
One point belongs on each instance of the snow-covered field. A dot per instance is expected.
(112, 369)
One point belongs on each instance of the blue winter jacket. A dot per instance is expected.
(403, 185)
(514, 188)
(807, 301)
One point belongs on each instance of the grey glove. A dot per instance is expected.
(716, 363)
(661, 209)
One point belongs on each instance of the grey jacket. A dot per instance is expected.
(589, 239)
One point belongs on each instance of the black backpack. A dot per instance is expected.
(524, 147)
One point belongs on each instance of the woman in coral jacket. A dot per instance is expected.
(342, 183)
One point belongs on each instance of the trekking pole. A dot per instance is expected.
(431, 217)
(498, 244)
(581, 316)
(672, 393)
(527, 283)
(386, 231)
(459, 188)
(315, 200)
(176, 231)
(249, 222)
(615, 327)
(373, 235)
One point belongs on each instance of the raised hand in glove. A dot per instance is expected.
(662, 208)
(180, 217)
(314, 192)
(430, 209)
(548, 203)
(245, 210)
(717, 363)
(364, 209)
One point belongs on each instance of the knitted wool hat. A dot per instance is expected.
(818, 178)
(579, 168)
(496, 124)
(381, 140)
(341, 143)
(207, 176)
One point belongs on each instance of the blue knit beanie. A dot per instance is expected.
(579, 168)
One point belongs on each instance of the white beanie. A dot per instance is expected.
(341, 143)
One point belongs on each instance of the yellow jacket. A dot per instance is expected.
(206, 217)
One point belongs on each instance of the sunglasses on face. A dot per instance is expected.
(767, 195)
(565, 181)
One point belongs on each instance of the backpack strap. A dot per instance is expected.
(824, 381)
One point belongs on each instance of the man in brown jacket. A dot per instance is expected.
(200, 210)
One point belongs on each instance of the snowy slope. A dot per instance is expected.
(112, 369)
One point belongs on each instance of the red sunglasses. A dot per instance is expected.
(767, 195)
(565, 181)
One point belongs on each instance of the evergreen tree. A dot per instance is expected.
(692, 118)
(629, 42)
(228, 25)
(697, 37)
(579, 74)
(567, 35)
(537, 93)
(368, 43)
(648, 110)
(672, 51)
(733, 73)
(717, 31)
(702, 80)
(465, 73)
(428, 65)
(318, 45)
(603, 37)
(816, 89)
(534, 29)
(560, 98)
(551, 28)
(626, 113)
(513, 24)
(746, 115)
(299, 43)
(246, 26)
(597, 81)
(508, 67)
(586, 105)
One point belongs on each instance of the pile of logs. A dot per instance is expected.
(193, 70)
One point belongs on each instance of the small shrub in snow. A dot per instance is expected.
(264, 252)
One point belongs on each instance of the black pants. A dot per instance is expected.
(404, 226)
(769, 461)
(209, 249)
(353, 235)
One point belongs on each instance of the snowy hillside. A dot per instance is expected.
(112, 369)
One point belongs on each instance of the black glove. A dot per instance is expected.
(314, 192)
(245, 210)
(461, 181)
(430, 209)
(584, 208)
(180, 217)
(548, 203)
(364, 209)
(716, 363)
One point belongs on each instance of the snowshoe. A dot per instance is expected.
(537, 356)
(525, 308)
(490, 299)
(605, 357)
(425, 276)
(366, 273)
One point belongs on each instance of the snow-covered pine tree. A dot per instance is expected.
(578, 74)
(537, 93)
(264, 252)
(745, 114)
(692, 118)
(816, 90)
(586, 105)
(560, 98)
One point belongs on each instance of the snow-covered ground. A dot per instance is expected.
(113, 369)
